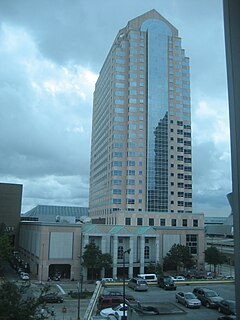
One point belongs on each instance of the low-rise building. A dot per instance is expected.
(56, 247)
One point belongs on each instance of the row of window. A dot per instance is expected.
(191, 243)
(162, 222)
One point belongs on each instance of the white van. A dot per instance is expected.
(149, 277)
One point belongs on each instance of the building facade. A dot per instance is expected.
(141, 128)
(10, 208)
(49, 248)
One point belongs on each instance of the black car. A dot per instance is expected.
(51, 298)
(166, 282)
(208, 297)
(227, 307)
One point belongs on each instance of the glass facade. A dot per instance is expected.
(141, 129)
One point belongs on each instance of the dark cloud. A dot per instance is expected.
(49, 53)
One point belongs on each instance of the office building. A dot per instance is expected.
(141, 128)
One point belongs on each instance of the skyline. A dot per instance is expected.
(47, 82)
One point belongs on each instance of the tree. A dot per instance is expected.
(155, 268)
(17, 302)
(178, 257)
(214, 257)
(106, 261)
(94, 259)
(6, 247)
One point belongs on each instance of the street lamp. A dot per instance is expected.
(124, 292)
(79, 293)
(78, 317)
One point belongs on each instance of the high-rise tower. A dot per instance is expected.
(141, 127)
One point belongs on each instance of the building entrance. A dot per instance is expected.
(59, 271)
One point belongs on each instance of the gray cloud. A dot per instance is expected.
(50, 54)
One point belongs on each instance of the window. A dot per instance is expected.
(195, 222)
(162, 222)
(146, 252)
(130, 191)
(130, 182)
(120, 252)
(139, 221)
(132, 100)
(121, 69)
(116, 182)
(184, 222)
(120, 85)
(119, 101)
(188, 204)
(120, 77)
(119, 119)
(131, 172)
(174, 222)
(119, 110)
(120, 61)
(117, 191)
(151, 221)
(116, 201)
(192, 243)
(127, 221)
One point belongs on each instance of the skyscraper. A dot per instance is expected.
(141, 128)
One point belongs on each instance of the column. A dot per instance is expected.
(114, 255)
(142, 246)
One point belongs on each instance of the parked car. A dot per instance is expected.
(227, 317)
(149, 277)
(51, 298)
(115, 292)
(228, 278)
(208, 297)
(138, 284)
(24, 276)
(188, 299)
(117, 311)
(105, 280)
(227, 307)
(167, 283)
(179, 278)
(109, 301)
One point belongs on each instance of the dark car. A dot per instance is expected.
(51, 298)
(227, 307)
(113, 300)
(109, 301)
(166, 282)
(208, 297)
(110, 292)
(227, 317)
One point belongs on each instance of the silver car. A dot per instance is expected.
(138, 284)
(188, 299)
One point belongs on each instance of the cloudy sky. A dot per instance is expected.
(51, 52)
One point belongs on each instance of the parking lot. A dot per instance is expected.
(68, 310)
(178, 311)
